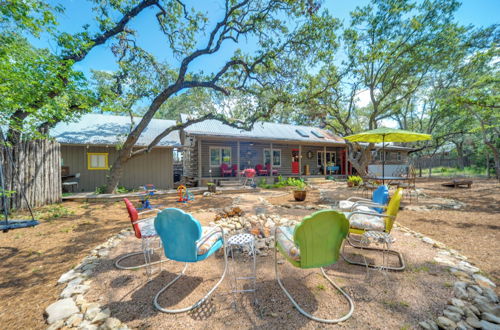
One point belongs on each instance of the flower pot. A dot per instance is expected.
(299, 195)
(350, 184)
(211, 188)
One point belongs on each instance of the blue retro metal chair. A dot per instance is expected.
(379, 201)
(185, 240)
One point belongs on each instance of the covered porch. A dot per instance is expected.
(223, 159)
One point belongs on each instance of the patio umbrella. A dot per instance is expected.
(384, 134)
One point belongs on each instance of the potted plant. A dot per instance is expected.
(299, 192)
(211, 187)
(354, 180)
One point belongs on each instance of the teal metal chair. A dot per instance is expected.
(184, 240)
(314, 243)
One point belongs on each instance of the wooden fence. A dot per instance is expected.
(37, 165)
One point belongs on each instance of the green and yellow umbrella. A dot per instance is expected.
(384, 134)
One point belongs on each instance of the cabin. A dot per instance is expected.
(215, 151)
(205, 151)
(89, 147)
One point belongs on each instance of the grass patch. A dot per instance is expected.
(396, 304)
(320, 287)
(452, 171)
(53, 212)
(418, 269)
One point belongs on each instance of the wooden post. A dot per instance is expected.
(271, 161)
(300, 161)
(346, 161)
(238, 159)
(199, 162)
(324, 160)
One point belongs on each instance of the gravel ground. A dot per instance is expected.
(382, 300)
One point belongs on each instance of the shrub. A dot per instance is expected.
(356, 180)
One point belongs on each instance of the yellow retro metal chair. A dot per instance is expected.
(361, 221)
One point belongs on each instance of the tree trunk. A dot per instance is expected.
(496, 157)
(362, 159)
(460, 153)
(488, 165)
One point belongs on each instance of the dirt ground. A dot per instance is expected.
(473, 230)
(33, 259)
(407, 297)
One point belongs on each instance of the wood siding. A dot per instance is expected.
(155, 167)
(252, 153)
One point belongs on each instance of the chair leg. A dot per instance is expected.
(401, 266)
(199, 302)
(331, 321)
(147, 259)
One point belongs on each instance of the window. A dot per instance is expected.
(398, 155)
(97, 161)
(331, 157)
(219, 155)
(301, 133)
(318, 134)
(276, 157)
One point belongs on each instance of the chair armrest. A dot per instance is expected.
(212, 232)
(276, 229)
(143, 220)
(375, 214)
(368, 204)
(353, 199)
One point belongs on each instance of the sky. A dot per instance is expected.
(78, 13)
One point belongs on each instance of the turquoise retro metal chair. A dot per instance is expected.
(314, 243)
(185, 240)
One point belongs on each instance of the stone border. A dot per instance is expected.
(475, 304)
(72, 310)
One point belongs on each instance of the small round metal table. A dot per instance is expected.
(242, 242)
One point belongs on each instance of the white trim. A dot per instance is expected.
(210, 148)
(264, 156)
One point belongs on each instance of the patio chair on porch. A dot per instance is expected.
(361, 221)
(268, 169)
(143, 230)
(234, 168)
(260, 170)
(225, 170)
(184, 240)
(314, 243)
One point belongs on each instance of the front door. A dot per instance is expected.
(295, 161)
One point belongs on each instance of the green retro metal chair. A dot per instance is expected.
(371, 220)
(314, 243)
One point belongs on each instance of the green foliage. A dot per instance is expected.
(299, 184)
(452, 171)
(356, 180)
(122, 190)
(54, 211)
(100, 190)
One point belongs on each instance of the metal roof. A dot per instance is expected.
(263, 131)
(100, 129)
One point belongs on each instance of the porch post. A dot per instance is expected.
(346, 161)
(238, 158)
(324, 160)
(300, 160)
(199, 162)
(271, 161)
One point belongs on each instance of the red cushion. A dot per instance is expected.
(134, 216)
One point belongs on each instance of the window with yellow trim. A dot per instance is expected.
(97, 161)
